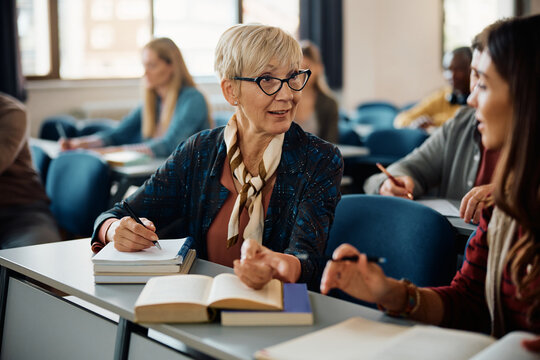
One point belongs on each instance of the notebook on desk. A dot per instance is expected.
(126, 158)
(359, 338)
(113, 266)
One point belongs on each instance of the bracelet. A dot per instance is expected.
(412, 302)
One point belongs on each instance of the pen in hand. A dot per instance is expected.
(393, 179)
(136, 218)
(61, 131)
(353, 258)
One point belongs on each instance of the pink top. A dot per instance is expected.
(216, 239)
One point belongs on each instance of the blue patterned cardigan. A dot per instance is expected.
(185, 195)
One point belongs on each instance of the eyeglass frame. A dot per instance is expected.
(258, 80)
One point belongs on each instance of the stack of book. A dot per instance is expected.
(115, 267)
(199, 298)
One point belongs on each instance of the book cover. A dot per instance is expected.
(296, 311)
(173, 252)
(192, 298)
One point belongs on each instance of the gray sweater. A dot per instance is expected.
(448, 159)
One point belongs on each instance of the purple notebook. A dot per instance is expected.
(296, 311)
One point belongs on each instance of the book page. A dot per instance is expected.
(444, 207)
(352, 339)
(228, 292)
(177, 289)
(508, 347)
(152, 255)
(435, 343)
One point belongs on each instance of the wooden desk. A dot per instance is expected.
(67, 267)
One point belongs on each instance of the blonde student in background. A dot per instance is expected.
(173, 108)
(259, 194)
(318, 111)
(497, 288)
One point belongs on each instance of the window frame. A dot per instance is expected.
(54, 42)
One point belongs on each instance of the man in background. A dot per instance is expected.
(437, 108)
(452, 163)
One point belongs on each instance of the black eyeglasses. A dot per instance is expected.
(271, 85)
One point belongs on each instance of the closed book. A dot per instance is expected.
(173, 252)
(143, 275)
(195, 298)
(296, 311)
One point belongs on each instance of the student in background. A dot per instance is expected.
(24, 206)
(436, 109)
(497, 287)
(452, 160)
(173, 108)
(258, 194)
(318, 111)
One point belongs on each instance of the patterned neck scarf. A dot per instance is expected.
(251, 186)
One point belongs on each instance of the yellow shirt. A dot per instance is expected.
(436, 106)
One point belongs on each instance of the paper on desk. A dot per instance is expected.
(444, 207)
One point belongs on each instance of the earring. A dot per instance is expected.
(235, 103)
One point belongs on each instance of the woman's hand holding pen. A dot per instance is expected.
(258, 265)
(130, 236)
(403, 188)
(362, 279)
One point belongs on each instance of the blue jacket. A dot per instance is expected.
(185, 195)
(189, 117)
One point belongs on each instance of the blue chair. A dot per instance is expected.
(379, 114)
(418, 242)
(48, 129)
(389, 145)
(347, 135)
(41, 161)
(92, 126)
(79, 185)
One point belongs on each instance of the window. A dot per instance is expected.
(103, 38)
(463, 19)
(34, 37)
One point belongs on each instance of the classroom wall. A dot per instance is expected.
(392, 51)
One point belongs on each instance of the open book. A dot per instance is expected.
(190, 298)
(359, 338)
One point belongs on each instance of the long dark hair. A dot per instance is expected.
(514, 47)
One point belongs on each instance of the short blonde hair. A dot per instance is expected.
(246, 49)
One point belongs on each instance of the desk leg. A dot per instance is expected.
(4, 282)
(123, 334)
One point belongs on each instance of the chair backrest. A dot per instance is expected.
(395, 142)
(41, 161)
(78, 184)
(48, 129)
(380, 114)
(418, 242)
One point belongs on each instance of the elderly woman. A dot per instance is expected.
(173, 108)
(497, 287)
(259, 181)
